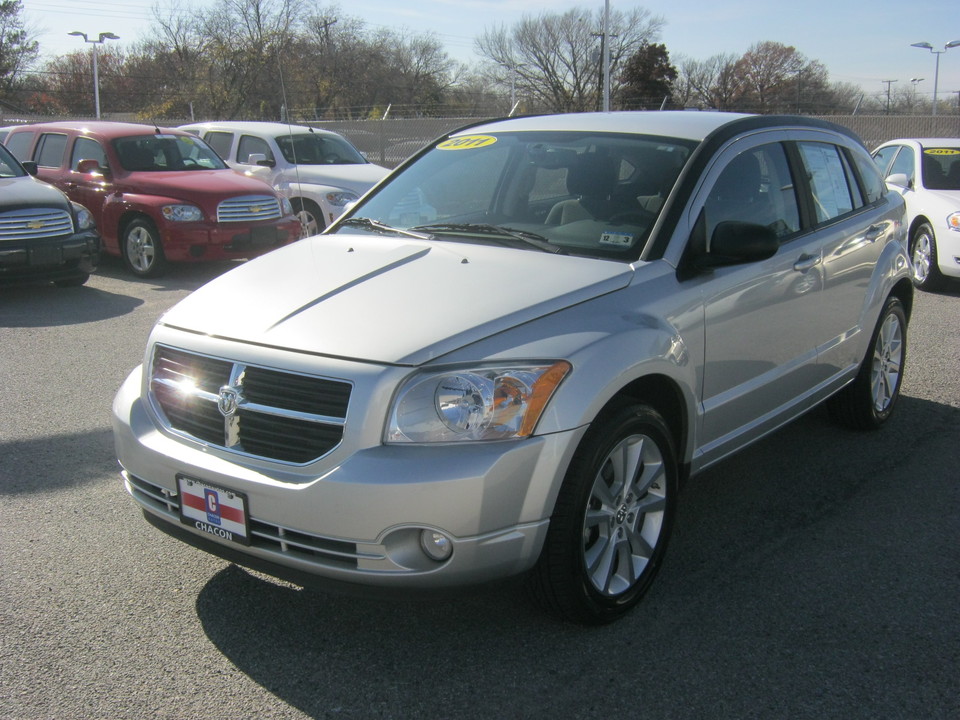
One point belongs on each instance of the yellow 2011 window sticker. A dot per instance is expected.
(467, 142)
(941, 151)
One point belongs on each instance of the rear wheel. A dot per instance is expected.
(923, 252)
(142, 250)
(613, 516)
(867, 402)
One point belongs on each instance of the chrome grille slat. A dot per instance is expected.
(283, 416)
(15, 224)
(249, 208)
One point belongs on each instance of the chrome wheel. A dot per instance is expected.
(310, 217)
(887, 363)
(922, 256)
(141, 249)
(624, 515)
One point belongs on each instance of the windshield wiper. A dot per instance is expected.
(529, 239)
(380, 227)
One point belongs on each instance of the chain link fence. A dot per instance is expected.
(389, 141)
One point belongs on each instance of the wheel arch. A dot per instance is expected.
(664, 395)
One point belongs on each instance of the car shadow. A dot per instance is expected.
(332, 655)
(49, 306)
(38, 465)
(178, 276)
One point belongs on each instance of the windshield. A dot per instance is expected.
(588, 194)
(8, 166)
(162, 153)
(941, 168)
(318, 149)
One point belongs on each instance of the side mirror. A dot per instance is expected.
(736, 243)
(88, 165)
(30, 166)
(900, 180)
(259, 159)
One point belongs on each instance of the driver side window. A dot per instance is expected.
(250, 145)
(755, 187)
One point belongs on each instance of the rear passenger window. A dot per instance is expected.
(830, 180)
(50, 150)
(220, 142)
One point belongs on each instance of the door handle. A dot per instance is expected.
(806, 262)
(874, 233)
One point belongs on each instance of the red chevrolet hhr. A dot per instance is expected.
(158, 195)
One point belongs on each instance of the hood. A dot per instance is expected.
(389, 300)
(189, 184)
(28, 192)
(358, 178)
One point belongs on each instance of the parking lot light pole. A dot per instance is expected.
(936, 69)
(96, 76)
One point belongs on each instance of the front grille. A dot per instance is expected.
(248, 409)
(249, 208)
(35, 223)
(264, 535)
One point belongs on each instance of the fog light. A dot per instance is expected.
(436, 545)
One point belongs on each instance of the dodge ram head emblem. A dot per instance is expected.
(228, 401)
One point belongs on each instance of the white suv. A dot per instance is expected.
(318, 170)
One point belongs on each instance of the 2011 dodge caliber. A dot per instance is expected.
(507, 357)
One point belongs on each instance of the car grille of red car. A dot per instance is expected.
(277, 415)
(249, 208)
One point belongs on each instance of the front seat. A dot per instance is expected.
(592, 179)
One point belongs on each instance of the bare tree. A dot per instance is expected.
(712, 83)
(555, 59)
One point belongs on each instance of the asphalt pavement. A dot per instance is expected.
(816, 575)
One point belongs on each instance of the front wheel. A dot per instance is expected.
(142, 250)
(867, 402)
(613, 516)
(309, 215)
(923, 254)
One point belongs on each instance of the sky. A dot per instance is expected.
(859, 42)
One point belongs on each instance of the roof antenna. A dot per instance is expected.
(301, 211)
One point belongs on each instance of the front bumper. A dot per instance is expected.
(948, 251)
(49, 259)
(357, 520)
(186, 242)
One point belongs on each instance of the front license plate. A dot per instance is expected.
(46, 255)
(214, 510)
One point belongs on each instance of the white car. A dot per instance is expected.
(926, 171)
(318, 170)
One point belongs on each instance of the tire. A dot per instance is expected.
(923, 254)
(868, 402)
(75, 281)
(309, 215)
(612, 519)
(142, 249)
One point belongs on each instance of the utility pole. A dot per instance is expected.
(889, 83)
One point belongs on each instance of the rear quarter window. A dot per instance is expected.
(220, 142)
(19, 143)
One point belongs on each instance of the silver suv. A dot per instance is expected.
(508, 357)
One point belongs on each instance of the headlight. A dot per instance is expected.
(953, 221)
(486, 403)
(285, 205)
(182, 213)
(339, 199)
(83, 216)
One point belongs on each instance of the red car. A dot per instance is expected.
(158, 195)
